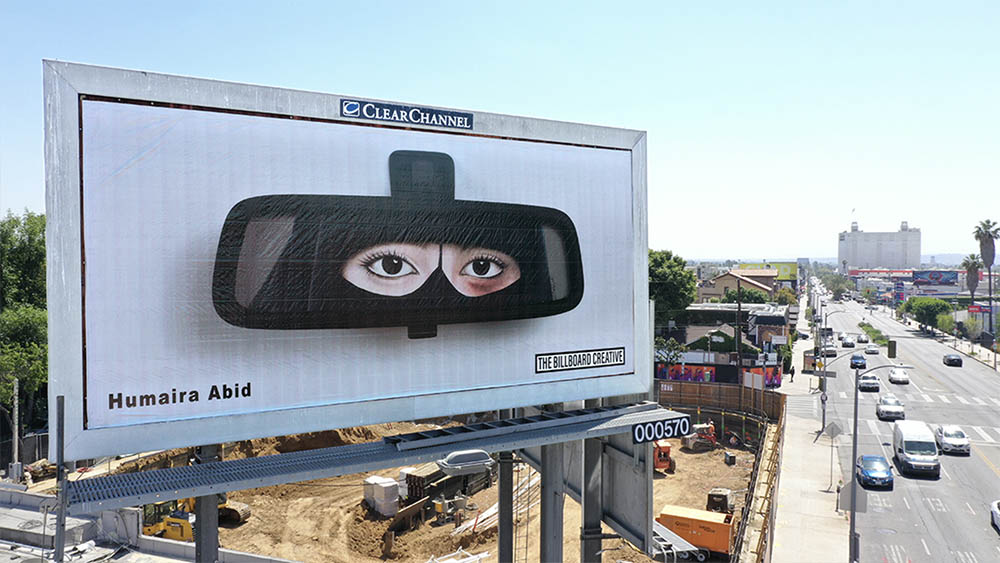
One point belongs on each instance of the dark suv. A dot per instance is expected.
(953, 360)
(858, 361)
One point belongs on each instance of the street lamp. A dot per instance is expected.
(855, 543)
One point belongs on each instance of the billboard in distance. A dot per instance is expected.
(787, 271)
(238, 261)
(935, 277)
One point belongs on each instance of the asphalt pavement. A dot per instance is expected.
(921, 519)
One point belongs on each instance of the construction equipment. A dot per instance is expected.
(174, 519)
(721, 499)
(661, 456)
(710, 532)
(701, 439)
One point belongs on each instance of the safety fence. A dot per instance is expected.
(753, 418)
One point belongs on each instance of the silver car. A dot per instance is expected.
(951, 438)
(868, 382)
(889, 407)
(899, 375)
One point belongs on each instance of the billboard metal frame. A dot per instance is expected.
(65, 86)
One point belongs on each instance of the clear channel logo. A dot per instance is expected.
(350, 108)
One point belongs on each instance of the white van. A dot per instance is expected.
(914, 448)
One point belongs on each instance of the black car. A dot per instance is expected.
(858, 361)
(953, 360)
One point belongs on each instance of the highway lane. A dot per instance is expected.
(924, 519)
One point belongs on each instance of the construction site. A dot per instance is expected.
(420, 514)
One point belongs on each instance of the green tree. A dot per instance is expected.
(23, 325)
(926, 309)
(786, 296)
(22, 260)
(986, 232)
(746, 294)
(945, 323)
(671, 285)
(668, 351)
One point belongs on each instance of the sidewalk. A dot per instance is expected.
(809, 529)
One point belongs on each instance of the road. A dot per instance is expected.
(945, 519)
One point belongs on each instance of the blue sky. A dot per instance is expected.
(768, 123)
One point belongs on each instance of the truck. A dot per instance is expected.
(710, 532)
(914, 447)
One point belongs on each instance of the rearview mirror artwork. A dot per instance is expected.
(419, 258)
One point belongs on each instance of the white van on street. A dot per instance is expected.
(914, 448)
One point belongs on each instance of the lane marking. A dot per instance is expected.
(984, 435)
(997, 401)
(873, 427)
(944, 399)
(919, 390)
(945, 473)
(927, 398)
(969, 506)
(978, 401)
(928, 551)
(907, 503)
(962, 400)
(843, 395)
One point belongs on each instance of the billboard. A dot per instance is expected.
(787, 271)
(231, 261)
(935, 277)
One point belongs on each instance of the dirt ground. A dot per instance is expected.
(326, 521)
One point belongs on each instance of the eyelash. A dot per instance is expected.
(489, 258)
(374, 257)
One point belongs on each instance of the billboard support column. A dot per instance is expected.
(60, 539)
(551, 540)
(590, 497)
(206, 508)
(505, 537)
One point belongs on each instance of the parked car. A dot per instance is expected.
(951, 438)
(841, 336)
(995, 514)
(868, 382)
(847, 342)
(871, 349)
(899, 375)
(889, 407)
(952, 360)
(873, 471)
(466, 462)
(858, 361)
(863, 338)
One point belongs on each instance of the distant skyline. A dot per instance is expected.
(770, 127)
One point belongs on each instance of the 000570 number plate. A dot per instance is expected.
(651, 431)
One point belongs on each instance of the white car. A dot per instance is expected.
(951, 438)
(995, 514)
(889, 407)
(868, 382)
(898, 375)
(871, 349)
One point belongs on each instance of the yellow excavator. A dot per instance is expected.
(174, 519)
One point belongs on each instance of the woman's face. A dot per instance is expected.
(396, 269)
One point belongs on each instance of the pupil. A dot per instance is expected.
(480, 267)
(392, 265)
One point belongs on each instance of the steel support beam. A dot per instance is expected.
(590, 529)
(60, 539)
(505, 492)
(206, 510)
(551, 535)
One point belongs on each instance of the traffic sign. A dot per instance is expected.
(823, 397)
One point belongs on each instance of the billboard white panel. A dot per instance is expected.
(219, 270)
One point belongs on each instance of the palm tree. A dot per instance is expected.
(986, 232)
(971, 265)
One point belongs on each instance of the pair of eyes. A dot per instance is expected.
(393, 266)
(396, 269)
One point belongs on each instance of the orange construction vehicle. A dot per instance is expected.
(661, 456)
(710, 532)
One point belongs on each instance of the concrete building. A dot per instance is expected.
(858, 249)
